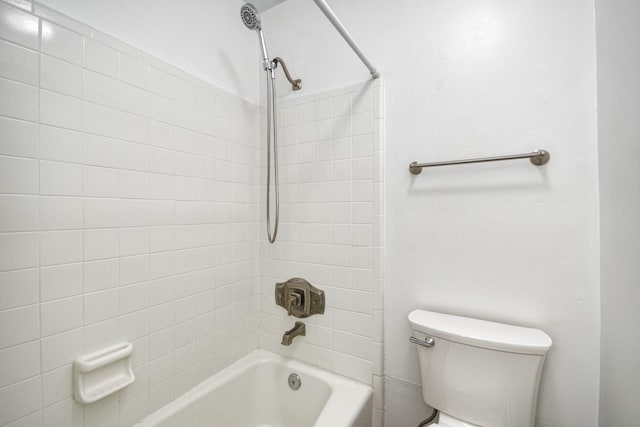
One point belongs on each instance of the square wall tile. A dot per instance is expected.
(62, 43)
(60, 213)
(25, 30)
(161, 83)
(101, 58)
(19, 101)
(60, 281)
(61, 315)
(20, 399)
(18, 63)
(99, 120)
(60, 247)
(134, 71)
(60, 144)
(18, 138)
(61, 179)
(18, 213)
(19, 288)
(18, 250)
(29, 320)
(57, 385)
(99, 89)
(60, 110)
(62, 349)
(60, 76)
(19, 363)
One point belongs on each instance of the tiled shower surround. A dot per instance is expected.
(331, 231)
(129, 207)
(132, 209)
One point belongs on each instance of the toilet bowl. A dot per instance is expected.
(478, 373)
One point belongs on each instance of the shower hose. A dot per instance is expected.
(272, 139)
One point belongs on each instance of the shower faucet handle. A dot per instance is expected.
(300, 298)
(296, 300)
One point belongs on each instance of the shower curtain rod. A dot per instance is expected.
(324, 7)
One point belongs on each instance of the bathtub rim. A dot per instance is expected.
(338, 411)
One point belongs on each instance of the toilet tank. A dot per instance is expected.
(481, 372)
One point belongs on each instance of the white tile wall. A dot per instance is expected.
(330, 231)
(128, 211)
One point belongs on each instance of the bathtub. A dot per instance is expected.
(255, 392)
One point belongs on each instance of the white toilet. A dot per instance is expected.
(478, 373)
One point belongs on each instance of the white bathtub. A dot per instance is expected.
(254, 392)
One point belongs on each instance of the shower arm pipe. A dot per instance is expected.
(324, 7)
(295, 84)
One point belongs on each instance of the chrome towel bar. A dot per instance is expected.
(537, 158)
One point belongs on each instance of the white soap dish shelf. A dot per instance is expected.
(101, 373)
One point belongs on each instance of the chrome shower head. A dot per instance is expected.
(250, 16)
(251, 19)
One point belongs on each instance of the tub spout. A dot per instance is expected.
(298, 329)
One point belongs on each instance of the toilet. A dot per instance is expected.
(478, 373)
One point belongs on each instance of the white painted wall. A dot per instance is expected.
(508, 241)
(618, 39)
(205, 38)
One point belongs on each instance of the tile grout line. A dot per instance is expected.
(39, 65)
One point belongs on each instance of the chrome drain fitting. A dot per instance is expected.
(294, 381)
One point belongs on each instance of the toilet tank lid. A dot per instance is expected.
(481, 333)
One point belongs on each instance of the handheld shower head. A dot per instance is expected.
(250, 17)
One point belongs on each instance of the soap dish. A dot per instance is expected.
(101, 373)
